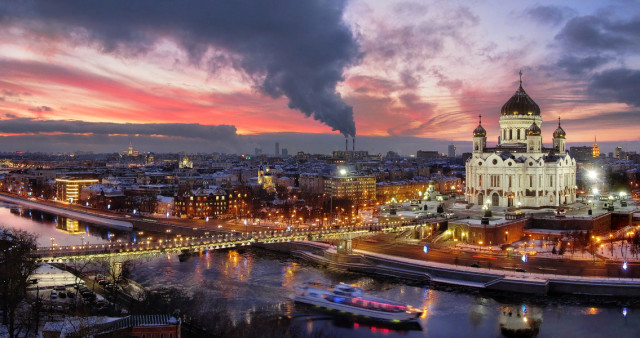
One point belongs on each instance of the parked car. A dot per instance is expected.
(103, 282)
(62, 295)
(54, 294)
(71, 294)
(87, 294)
(475, 265)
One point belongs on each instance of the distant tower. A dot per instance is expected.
(346, 149)
(130, 150)
(277, 148)
(596, 149)
(452, 150)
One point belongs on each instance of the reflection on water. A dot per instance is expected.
(520, 321)
(58, 230)
(254, 282)
(257, 282)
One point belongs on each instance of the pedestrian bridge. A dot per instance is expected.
(183, 245)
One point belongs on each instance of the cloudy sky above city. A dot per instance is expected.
(232, 76)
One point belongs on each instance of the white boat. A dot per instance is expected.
(351, 299)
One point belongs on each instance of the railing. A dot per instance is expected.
(215, 241)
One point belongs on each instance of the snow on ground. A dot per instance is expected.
(621, 250)
(49, 276)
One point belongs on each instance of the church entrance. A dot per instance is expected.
(495, 199)
(510, 201)
(480, 199)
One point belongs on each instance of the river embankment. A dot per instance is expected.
(424, 271)
(82, 216)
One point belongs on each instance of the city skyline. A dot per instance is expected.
(93, 78)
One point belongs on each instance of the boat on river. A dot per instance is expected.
(353, 300)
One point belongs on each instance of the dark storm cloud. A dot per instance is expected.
(616, 119)
(293, 48)
(193, 131)
(619, 85)
(600, 34)
(551, 15)
(576, 65)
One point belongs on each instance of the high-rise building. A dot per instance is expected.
(452, 151)
(620, 154)
(277, 149)
(581, 154)
(596, 149)
(285, 152)
(358, 189)
(68, 189)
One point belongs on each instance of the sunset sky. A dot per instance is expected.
(231, 76)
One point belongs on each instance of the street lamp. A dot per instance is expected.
(52, 239)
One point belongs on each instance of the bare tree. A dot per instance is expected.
(16, 268)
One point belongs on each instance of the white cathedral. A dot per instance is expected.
(519, 170)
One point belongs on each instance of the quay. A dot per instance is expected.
(424, 271)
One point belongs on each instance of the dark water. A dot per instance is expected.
(257, 281)
(254, 282)
(58, 230)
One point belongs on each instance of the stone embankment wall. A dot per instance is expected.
(479, 278)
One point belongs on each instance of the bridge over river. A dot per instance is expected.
(183, 245)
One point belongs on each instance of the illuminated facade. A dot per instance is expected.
(519, 170)
(400, 191)
(265, 179)
(359, 189)
(596, 149)
(68, 189)
(201, 203)
(205, 202)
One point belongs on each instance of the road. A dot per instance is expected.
(597, 268)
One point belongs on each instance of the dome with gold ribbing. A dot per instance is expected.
(479, 131)
(559, 133)
(520, 103)
(534, 130)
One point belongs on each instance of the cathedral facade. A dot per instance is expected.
(519, 170)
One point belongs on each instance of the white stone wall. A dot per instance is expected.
(511, 124)
(533, 183)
